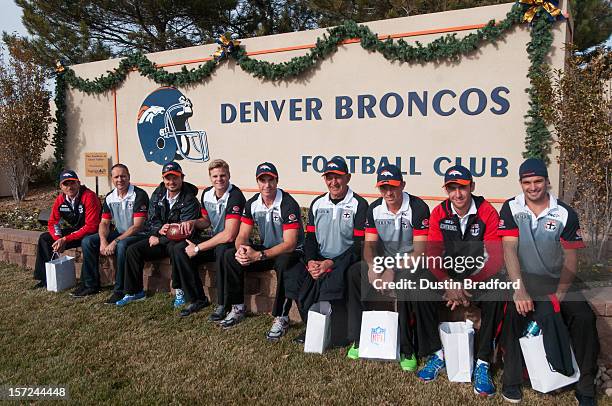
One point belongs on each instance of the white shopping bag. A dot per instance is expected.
(542, 377)
(379, 338)
(458, 344)
(60, 273)
(318, 329)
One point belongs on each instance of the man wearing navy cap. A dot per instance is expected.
(74, 215)
(463, 232)
(278, 218)
(397, 223)
(174, 201)
(334, 237)
(541, 235)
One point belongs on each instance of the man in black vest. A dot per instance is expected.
(173, 202)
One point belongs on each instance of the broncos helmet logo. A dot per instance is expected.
(146, 114)
(266, 167)
(386, 173)
(454, 173)
(332, 165)
(163, 128)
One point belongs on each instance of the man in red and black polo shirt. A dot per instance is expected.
(75, 214)
(461, 227)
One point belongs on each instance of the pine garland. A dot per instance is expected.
(59, 136)
(447, 47)
(538, 139)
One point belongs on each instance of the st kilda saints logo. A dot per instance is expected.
(163, 129)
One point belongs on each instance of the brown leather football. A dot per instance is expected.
(174, 233)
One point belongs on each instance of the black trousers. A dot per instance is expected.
(139, 253)
(185, 270)
(581, 324)
(290, 272)
(45, 252)
(362, 296)
(428, 320)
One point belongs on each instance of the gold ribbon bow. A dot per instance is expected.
(59, 67)
(226, 44)
(535, 7)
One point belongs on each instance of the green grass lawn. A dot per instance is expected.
(145, 353)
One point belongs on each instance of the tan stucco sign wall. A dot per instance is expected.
(355, 104)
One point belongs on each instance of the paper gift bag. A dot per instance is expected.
(379, 338)
(458, 344)
(318, 329)
(542, 377)
(60, 273)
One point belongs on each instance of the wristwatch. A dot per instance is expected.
(196, 249)
(262, 255)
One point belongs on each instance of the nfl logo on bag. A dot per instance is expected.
(377, 335)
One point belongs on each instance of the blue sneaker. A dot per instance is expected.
(432, 368)
(483, 385)
(179, 299)
(127, 299)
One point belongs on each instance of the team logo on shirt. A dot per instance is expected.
(501, 224)
(448, 225)
(377, 335)
(81, 209)
(346, 215)
(276, 218)
(405, 225)
(475, 230)
(425, 223)
(579, 234)
(236, 208)
(550, 226)
(130, 205)
(292, 217)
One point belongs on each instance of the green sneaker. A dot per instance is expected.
(353, 352)
(408, 364)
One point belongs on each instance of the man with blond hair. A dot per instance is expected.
(222, 205)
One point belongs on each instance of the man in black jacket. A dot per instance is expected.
(173, 202)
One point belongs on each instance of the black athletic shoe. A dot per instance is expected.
(218, 314)
(512, 393)
(40, 285)
(114, 298)
(85, 292)
(194, 307)
(300, 339)
(585, 400)
(76, 292)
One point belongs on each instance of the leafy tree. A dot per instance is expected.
(592, 22)
(86, 30)
(334, 11)
(265, 17)
(24, 115)
(577, 103)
